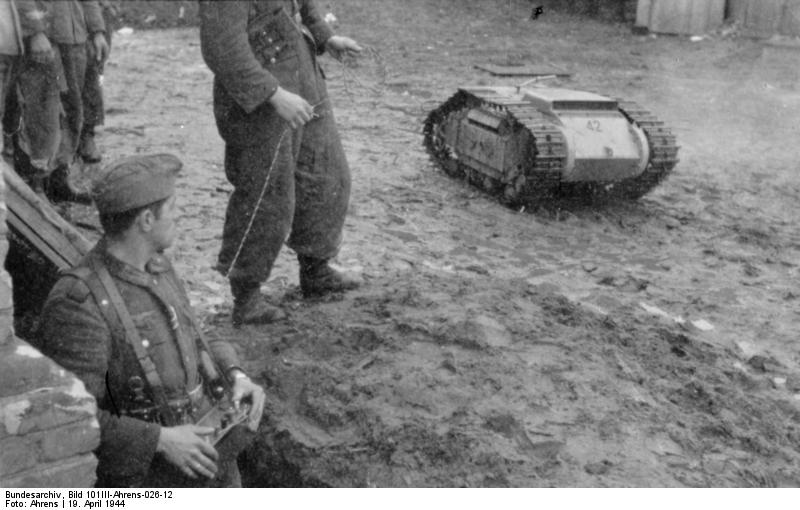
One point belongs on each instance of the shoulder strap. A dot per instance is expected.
(202, 345)
(110, 290)
(200, 341)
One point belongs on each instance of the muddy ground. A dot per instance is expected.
(651, 343)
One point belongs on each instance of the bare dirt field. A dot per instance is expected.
(651, 343)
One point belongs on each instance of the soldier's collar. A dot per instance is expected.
(156, 265)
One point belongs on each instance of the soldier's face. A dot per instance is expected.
(163, 232)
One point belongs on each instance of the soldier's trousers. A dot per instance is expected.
(8, 69)
(74, 60)
(303, 205)
(52, 108)
(93, 104)
(38, 128)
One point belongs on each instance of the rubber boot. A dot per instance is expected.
(318, 278)
(58, 188)
(88, 148)
(250, 307)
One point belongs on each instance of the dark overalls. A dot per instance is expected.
(252, 47)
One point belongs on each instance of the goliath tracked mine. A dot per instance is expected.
(530, 145)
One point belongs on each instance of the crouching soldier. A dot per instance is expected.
(121, 321)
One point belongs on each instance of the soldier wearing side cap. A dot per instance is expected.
(283, 154)
(121, 321)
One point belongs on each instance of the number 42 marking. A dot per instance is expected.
(594, 125)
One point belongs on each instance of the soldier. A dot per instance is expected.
(121, 321)
(23, 83)
(11, 48)
(93, 103)
(283, 154)
(56, 71)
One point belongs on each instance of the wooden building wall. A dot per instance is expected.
(696, 17)
(767, 17)
(690, 17)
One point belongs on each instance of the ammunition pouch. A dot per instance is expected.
(273, 37)
(182, 411)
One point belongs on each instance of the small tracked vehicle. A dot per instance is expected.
(529, 145)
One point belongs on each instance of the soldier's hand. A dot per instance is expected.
(244, 388)
(185, 446)
(101, 49)
(338, 46)
(41, 50)
(292, 108)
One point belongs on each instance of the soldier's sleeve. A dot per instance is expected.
(32, 16)
(226, 51)
(93, 16)
(222, 351)
(224, 354)
(316, 24)
(75, 335)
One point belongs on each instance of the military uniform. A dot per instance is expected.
(253, 47)
(93, 104)
(49, 89)
(36, 86)
(11, 48)
(81, 332)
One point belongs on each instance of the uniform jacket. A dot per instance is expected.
(75, 334)
(252, 47)
(72, 21)
(31, 18)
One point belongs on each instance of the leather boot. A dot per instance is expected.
(250, 307)
(318, 278)
(58, 188)
(88, 148)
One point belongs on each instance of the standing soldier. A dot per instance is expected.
(93, 103)
(56, 66)
(11, 48)
(283, 154)
(34, 82)
(20, 22)
(121, 321)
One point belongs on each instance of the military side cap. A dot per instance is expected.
(135, 182)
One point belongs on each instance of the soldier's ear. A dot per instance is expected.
(146, 219)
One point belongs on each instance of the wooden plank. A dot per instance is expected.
(40, 224)
(22, 229)
(523, 70)
(41, 239)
